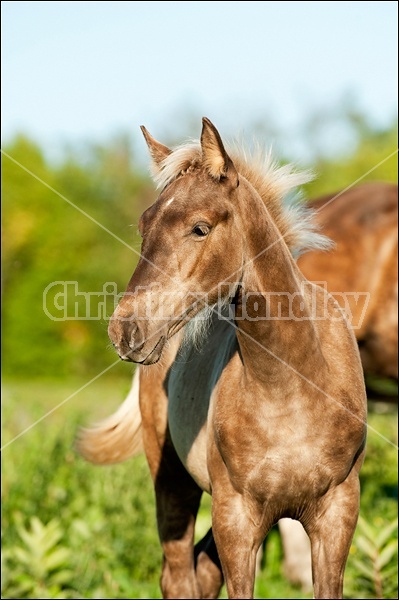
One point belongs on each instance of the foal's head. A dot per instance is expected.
(191, 243)
(198, 236)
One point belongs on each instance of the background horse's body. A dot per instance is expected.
(269, 414)
(363, 222)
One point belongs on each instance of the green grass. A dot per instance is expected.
(93, 533)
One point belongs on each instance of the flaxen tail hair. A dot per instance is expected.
(117, 437)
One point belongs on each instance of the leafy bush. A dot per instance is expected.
(374, 553)
(40, 567)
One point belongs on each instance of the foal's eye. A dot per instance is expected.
(201, 230)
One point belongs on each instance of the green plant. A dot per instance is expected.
(40, 566)
(374, 551)
(107, 515)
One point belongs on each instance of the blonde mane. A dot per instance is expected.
(276, 185)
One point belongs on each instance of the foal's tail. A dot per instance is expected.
(117, 437)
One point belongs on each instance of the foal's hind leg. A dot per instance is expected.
(177, 499)
(331, 532)
(187, 572)
(177, 495)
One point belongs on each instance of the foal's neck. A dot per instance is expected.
(275, 328)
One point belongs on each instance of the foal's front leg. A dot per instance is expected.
(331, 531)
(238, 528)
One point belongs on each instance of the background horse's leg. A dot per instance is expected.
(331, 532)
(208, 567)
(297, 561)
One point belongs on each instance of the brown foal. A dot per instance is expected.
(260, 400)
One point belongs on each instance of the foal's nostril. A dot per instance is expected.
(133, 335)
(136, 342)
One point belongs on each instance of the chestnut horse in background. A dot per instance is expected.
(267, 411)
(363, 222)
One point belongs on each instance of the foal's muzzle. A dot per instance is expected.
(128, 340)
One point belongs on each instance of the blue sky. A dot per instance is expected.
(74, 71)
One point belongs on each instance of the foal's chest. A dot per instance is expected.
(278, 453)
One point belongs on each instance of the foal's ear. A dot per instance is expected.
(157, 150)
(214, 155)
